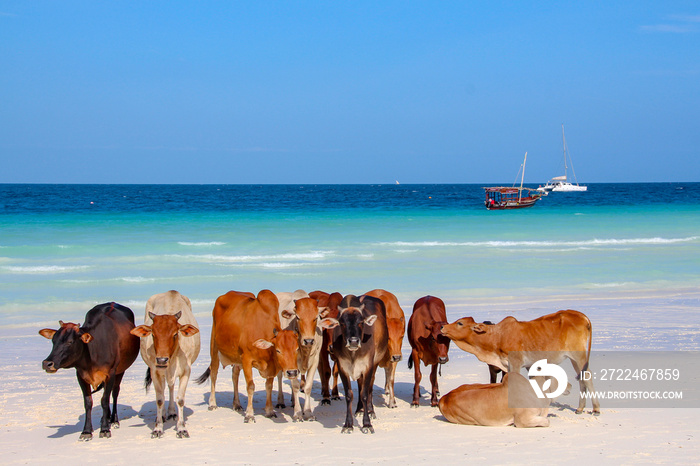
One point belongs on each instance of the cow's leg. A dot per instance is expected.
(434, 383)
(172, 409)
(269, 412)
(324, 372)
(417, 377)
(181, 389)
(250, 388)
(530, 417)
(360, 399)
(366, 395)
(295, 398)
(493, 373)
(114, 419)
(105, 425)
(390, 372)
(334, 393)
(308, 385)
(159, 387)
(280, 393)
(235, 375)
(87, 402)
(349, 419)
(213, 374)
(584, 386)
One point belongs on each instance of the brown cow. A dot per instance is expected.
(427, 343)
(511, 344)
(498, 404)
(328, 304)
(396, 325)
(246, 334)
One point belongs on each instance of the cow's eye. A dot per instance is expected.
(279, 352)
(460, 324)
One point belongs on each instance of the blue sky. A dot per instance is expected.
(348, 92)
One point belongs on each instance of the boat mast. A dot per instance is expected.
(520, 192)
(563, 138)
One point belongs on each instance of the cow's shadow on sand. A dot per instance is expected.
(124, 412)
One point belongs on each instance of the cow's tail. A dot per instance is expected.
(410, 362)
(590, 341)
(99, 387)
(147, 380)
(204, 377)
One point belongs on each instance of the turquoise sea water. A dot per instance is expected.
(64, 248)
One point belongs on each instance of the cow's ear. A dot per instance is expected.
(141, 331)
(371, 320)
(86, 337)
(288, 314)
(151, 315)
(323, 312)
(262, 344)
(188, 330)
(47, 333)
(329, 322)
(479, 328)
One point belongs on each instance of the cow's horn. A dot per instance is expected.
(178, 315)
(151, 315)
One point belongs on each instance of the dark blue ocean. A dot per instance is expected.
(65, 247)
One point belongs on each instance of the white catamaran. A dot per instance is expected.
(561, 183)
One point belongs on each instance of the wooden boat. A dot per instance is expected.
(502, 197)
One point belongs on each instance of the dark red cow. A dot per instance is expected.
(328, 306)
(100, 351)
(427, 342)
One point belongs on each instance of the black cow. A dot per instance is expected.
(100, 350)
(359, 345)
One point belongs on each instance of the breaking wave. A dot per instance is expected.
(543, 244)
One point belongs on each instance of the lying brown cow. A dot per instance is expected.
(246, 334)
(396, 326)
(563, 334)
(488, 404)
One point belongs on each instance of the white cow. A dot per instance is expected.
(169, 346)
(300, 313)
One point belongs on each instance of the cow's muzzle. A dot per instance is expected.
(48, 366)
(308, 341)
(162, 362)
(353, 344)
(443, 360)
(396, 358)
(292, 374)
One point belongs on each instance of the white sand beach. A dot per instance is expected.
(41, 415)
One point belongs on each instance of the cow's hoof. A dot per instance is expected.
(171, 416)
(157, 434)
(271, 415)
(596, 413)
(105, 434)
(391, 405)
(280, 405)
(325, 401)
(335, 397)
(414, 405)
(579, 411)
(183, 434)
(85, 437)
(238, 409)
(347, 430)
(212, 408)
(298, 418)
(309, 417)
(367, 429)
(434, 404)
(248, 419)
(115, 425)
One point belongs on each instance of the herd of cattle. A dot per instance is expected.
(294, 335)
